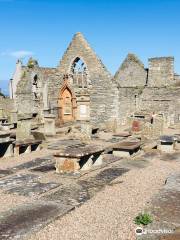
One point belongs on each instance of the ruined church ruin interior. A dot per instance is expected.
(71, 131)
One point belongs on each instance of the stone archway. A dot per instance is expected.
(67, 105)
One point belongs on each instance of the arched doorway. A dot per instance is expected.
(67, 105)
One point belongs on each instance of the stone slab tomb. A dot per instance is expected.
(166, 144)
(6, 147)
(122, 135)
(26, 185)
(82, 158)
(79, 192)
(58, 145)
(26, 146)
(165, 209)
(7, 126)
(177, 141)
(29, 218)
(125, 149)
(37, 162)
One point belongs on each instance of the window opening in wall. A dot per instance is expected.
(79, 73)
(35, 87)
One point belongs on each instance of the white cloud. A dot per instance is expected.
(18, 54)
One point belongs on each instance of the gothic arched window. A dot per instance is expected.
(79, 73)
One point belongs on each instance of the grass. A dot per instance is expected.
(143, 219)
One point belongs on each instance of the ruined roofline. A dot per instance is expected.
(130, 57)
(53, 68)
(161, 58)
(43, 68)
(133, 57)
(81, 38)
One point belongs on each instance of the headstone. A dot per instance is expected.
(136, 126)
(49, 125)
(23, 127)
(158, 126)
(86, 129)
(147, 130)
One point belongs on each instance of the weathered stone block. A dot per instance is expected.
(23, 129)
(67, 165)
(49, 125)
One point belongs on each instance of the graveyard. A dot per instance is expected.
(53, 178)
(89, 145)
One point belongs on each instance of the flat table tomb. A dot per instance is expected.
(80, 158)
(167, 143)
(125, 149)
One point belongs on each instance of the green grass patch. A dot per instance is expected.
(143, 218)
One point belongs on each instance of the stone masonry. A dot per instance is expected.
(80, 88)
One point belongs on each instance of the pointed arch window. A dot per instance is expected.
(79, 73)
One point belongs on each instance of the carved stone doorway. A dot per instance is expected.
(67, 105)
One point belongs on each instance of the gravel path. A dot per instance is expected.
(109, 215)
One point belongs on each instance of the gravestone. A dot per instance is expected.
(158, 127)
(136, 126)
(49, 125)
(147, 131)
(86, 129)
(24, 127)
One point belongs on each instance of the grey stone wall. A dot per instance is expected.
(131, 73)
(177, 80)
(132, 89)
(128, 102)
(102, 90)
(161, 72)
(7, 105)
(164, 101)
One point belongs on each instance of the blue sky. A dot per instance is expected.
(44, 28)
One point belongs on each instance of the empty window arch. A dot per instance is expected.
(79, 72)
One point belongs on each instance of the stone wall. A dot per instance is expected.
(108, 99)
(15, 79)
(7, 105)
(102, 90)
(131, 79)
(128, 103)
(177, 80)
(30, 94)
(131, 73)
(161, 72)
(165, 101)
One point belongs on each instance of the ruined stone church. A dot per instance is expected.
(81, 88)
